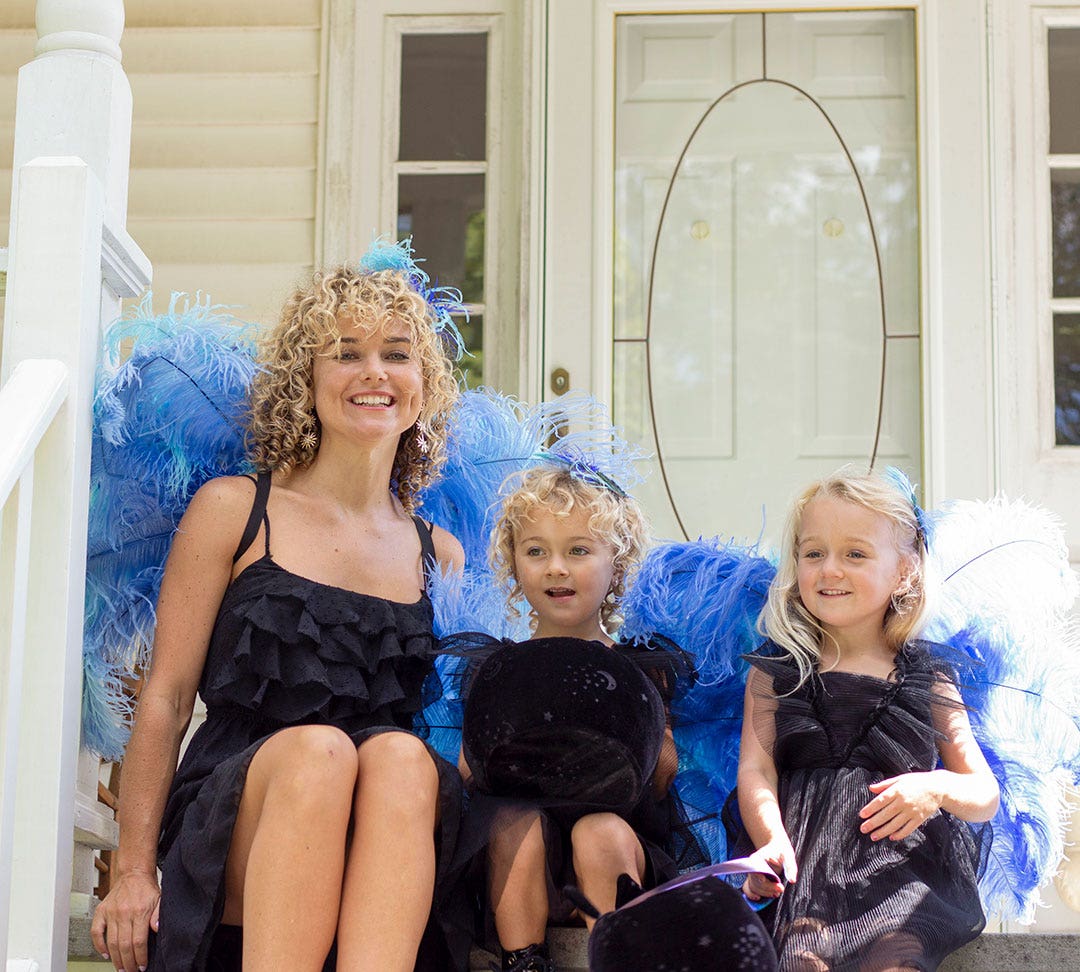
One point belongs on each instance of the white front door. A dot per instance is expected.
(750, 305)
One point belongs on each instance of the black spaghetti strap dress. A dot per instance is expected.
(860, 905)
(287, 651)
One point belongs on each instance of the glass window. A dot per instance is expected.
(442, 169)
(1064, 58)
(444, 214)
(1063, 46)
(1067, 379)
(443, 96)
(1065, 206)
(766, 237)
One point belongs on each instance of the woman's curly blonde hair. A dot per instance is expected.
(786, 620)
(616, 520)
(283, 429)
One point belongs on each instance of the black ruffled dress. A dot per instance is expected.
(562, 727)
(287, 651)
(860, 904)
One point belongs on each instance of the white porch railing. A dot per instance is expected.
(70, 261)
(28, 403)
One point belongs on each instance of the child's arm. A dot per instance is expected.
(667, 766)
(463, 767)
(965, 787)
(758, 803)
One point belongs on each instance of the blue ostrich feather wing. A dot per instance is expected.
(166, 419)
(494, 437)
(705, 596)
(1002, 608)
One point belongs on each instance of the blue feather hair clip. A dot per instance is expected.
(443, 302)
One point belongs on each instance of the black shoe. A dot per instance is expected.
(532, 958)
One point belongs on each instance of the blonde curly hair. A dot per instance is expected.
(786, 620)
(283, 429)
(616, 520)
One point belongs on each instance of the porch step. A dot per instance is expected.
(988, 953)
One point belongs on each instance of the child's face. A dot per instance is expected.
(848, 568)
(565, 572)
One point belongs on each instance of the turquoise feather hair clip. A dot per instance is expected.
(442, 302)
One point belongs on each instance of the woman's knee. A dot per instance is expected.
(311, 762)
(398, 766)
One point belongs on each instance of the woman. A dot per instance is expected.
(295, 813)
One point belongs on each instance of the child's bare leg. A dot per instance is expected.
(517, 880)
(283, 872)
(605, 846)
(390, 870)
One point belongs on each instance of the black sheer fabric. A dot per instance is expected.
(861, 904)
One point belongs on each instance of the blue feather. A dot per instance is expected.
(166, 420)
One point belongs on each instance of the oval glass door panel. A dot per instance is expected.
(767, 326)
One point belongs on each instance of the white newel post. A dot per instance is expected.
(70, 262)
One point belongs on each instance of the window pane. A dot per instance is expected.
(1065, 204)
(1064, 47)
(444, 214)
(1067, 378)
(471, 365)
(443, 97)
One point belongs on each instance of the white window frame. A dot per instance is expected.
(489, 167)
(1031, 463)
(357, 188)
(1044, 164)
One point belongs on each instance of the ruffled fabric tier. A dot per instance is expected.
(295, 650)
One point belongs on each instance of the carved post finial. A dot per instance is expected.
(79, 25)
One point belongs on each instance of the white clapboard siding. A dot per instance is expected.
(224, 141)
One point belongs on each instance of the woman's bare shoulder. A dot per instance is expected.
(221, 504)
(448, 549)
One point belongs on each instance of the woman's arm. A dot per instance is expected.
(759, 806)
(197, 572)
(965, 787)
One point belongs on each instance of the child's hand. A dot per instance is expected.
(778, 855)
(902, 805)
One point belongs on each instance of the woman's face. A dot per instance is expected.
(372, 386)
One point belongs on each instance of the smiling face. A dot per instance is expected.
(565, 573)
(370, 386)
(848, 568)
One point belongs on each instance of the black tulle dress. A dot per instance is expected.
(562, 727)
(860, 904)
(287, 651)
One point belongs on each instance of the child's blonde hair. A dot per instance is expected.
(786, 620)
(615, 519)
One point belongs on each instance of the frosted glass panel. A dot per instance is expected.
(766, 284)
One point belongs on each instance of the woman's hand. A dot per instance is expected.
(902, 805)
(120, 929)
(779, 855)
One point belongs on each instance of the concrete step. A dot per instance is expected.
(991, 952)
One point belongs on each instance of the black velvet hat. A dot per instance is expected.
(687, 925)
(563, 719)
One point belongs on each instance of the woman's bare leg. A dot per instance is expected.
(517, 880)
(605, 846)
(283, 873)
(390, 871)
